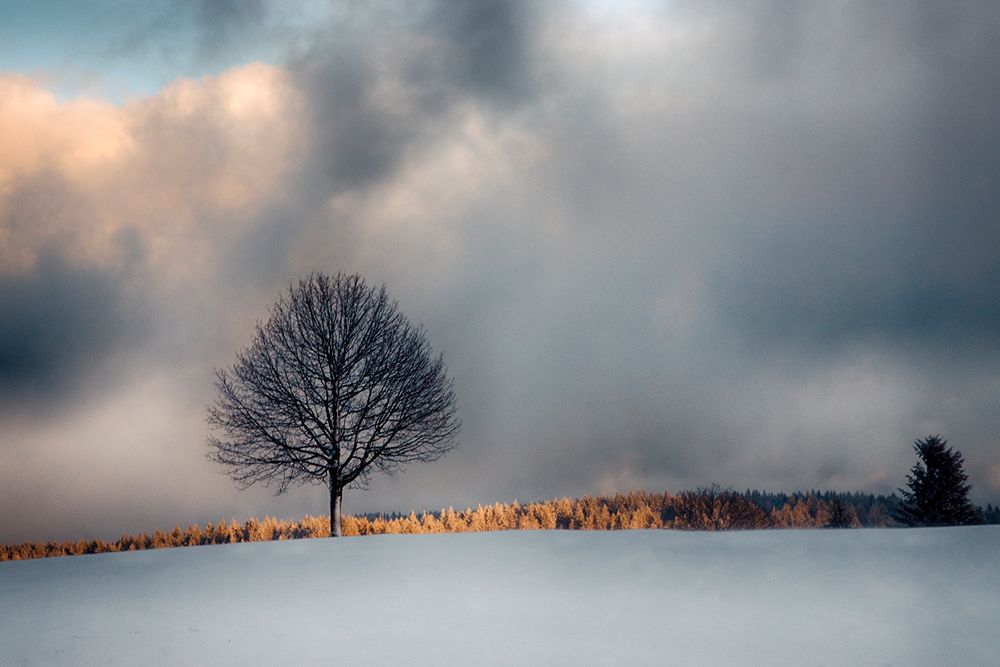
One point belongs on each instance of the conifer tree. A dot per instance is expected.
(938, 492)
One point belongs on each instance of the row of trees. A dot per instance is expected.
(705, 509)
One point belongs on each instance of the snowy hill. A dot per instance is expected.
(848, 597)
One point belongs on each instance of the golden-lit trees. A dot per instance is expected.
(717, 509)
(705, 509)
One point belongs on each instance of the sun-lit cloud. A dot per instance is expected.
(38, 132)
(84, 176)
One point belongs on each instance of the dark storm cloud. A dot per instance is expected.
(894, 237)
(376, 84)
(487, 46)
(821, 294)
(381, 83)
(360, 139)
(57, 324)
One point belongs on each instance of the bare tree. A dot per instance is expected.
(336, 384)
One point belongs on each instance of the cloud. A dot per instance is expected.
(175, 169)
(37, 131)
(186, 35)
(219, 19)
(58, 323)
(664, 247)
(390, 80)
(109, 215)
(487, 47)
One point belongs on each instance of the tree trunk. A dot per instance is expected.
(336, 495)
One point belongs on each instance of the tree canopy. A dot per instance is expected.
(337, 384)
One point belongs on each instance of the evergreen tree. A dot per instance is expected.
(938, 493)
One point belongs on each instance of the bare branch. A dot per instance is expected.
(335, 384)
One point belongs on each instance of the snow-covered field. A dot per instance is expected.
(794, 597)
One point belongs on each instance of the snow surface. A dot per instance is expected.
(791, 597)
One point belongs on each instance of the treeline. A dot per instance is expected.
(704, 509)
(991, 514)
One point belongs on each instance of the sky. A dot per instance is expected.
(660, 245)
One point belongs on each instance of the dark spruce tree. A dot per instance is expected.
(336, 384)
(937, 492)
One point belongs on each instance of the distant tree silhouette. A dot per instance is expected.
(840, 515)
(938, 492)
(991, 514)
(335, 385)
